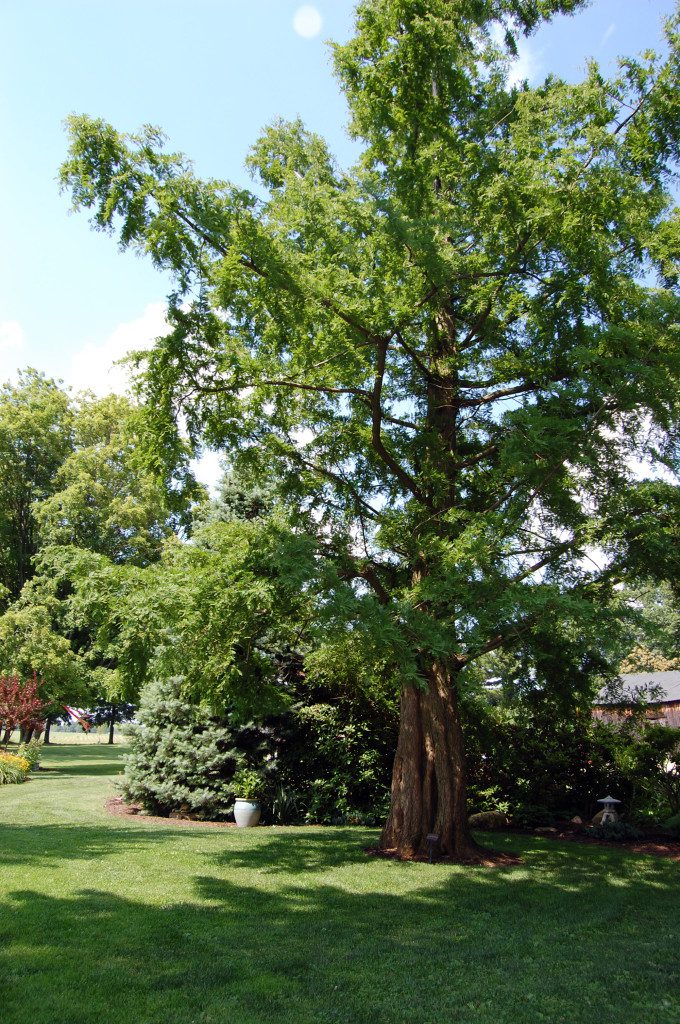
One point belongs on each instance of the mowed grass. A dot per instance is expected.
(105, 919)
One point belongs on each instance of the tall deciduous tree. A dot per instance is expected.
(450, 352)
(35, 438)
(104, 498)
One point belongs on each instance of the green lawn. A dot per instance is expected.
(106, 920)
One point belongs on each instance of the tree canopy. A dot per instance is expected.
(450, 353)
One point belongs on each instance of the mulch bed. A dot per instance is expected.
(661, 847)
(120, 809)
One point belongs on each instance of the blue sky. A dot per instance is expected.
(211, 73)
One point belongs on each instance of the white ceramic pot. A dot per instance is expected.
(247, 813)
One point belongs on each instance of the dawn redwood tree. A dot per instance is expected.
(450, 352)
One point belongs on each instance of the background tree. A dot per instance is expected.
(656, 630)
(104, 499)
(96, 496)
(449, 353)
(111, 712)
(35, 438)
(30, 644)
(20, 705)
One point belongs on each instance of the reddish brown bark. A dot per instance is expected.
(428, 778)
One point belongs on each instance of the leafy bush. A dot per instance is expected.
(532, 816)
(286, 806)
(247, 784)
(32, 752)
(616, 832)
(315, 762)
(335, 759)
(672, 825)
(13, 768)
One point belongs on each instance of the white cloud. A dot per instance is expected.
(609, 33)
(528, 63)
(93, 369)
(307, 22)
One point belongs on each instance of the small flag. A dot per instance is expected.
(79, 716)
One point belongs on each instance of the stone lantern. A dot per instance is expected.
(609, 816)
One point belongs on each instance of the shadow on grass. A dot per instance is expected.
(36, 845)
(299, 850)
(464, 945)
(63, 761)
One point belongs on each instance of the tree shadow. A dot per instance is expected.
(42, 845)
(297, 850)
(441, 944)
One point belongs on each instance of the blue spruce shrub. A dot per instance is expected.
(182, 760)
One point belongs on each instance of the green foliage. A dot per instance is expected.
(247, 784)
(29, 642)
(215, 611)
(181, 759)
(440, 351)
(31, 752)
(672, 825)
(336, 760)
(532, 816)
(14, 768)
(541, 760)
(35, 438)
(105, 499)
(616, 832)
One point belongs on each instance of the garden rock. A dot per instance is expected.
(488, 821)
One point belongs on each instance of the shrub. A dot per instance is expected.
(286, 806)
(32, 752)
(182, 759)
(316, 762)
(672, 825)
(13, 768)
(616, 832)
(488, 821)
(247, 784)
(335, 758)
(532, 816)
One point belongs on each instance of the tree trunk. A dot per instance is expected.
(112, 722)
(428, 778)
(46, 738)
(8, 735)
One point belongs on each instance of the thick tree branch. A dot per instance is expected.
(404, 478)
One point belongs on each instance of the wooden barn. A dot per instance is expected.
(663, 706)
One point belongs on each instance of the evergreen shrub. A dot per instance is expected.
(182, 759)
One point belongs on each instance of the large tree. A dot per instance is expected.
(450, 352)
(35, 438)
